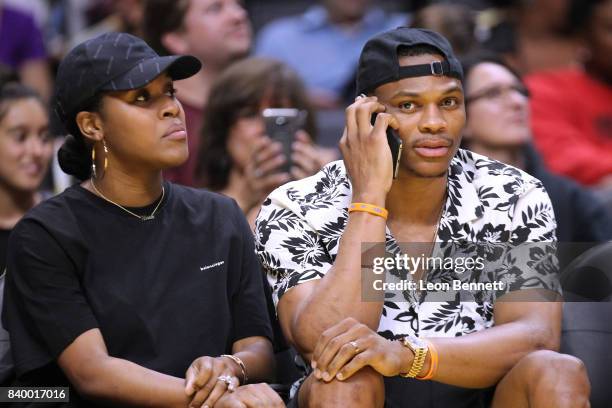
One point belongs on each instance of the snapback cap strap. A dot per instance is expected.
(435, 68)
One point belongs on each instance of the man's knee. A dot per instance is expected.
(558, 376)
(365, 388)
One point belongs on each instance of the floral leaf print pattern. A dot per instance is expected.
(488, 204)
(445, 318)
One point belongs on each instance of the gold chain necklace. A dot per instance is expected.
(141, 217)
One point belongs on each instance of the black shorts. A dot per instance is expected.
(405, 392)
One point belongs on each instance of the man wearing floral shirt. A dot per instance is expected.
(478, 351)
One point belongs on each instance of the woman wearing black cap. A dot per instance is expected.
(119, 285)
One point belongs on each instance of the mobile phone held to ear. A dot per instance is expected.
(281, 126)
(395, 144)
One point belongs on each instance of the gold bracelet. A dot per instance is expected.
(240, 363)
(369, 208)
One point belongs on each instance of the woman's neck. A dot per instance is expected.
(14, 204)
(126, 189)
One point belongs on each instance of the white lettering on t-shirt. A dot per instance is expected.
(203, 268)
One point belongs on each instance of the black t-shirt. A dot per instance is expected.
(4, 234)
(162, 292)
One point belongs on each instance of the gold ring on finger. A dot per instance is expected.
(355, 346)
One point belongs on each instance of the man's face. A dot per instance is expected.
(431, 114)
(600, 38)
(217, 31)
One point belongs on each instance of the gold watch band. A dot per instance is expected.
(417, 363)
(420, 354)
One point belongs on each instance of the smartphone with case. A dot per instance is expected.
(281, 126)
(395, 144)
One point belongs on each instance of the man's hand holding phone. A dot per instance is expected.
(366, 151)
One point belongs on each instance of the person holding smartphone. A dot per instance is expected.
(245, 155)
(128, 289)
(413, 347)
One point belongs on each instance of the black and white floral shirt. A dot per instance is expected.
(300, 224)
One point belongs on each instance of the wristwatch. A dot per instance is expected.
(419, 348)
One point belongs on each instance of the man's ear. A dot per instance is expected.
(90, 125)
(175, 43)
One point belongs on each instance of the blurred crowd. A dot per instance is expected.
(300, 54)
(537, 86)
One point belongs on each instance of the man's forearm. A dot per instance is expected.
(338, 294)
(480, 360)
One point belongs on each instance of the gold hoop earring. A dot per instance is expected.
(105, 156)
(93, 160)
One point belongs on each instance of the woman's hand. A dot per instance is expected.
(348, 346)
(209, 378)
(261, 173)
(251, 396)
(306, 157)
(366, 152)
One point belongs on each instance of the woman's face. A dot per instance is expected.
(497, 109)
(242, 138)
(249, 129)
(25, 145)
(144, 128)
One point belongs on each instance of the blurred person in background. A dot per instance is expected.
(22, 49)
(236, 157)
(454, 21)
(25, 153)
(323, 44)
(125, 16)
(572, 108)
(532, 35)
(498, 126)
(218, 32)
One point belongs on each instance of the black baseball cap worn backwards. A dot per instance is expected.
(112, 62)
(379, 64)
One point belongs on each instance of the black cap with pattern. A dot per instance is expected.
(379, 64)
(112, 62)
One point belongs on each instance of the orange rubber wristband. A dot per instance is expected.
(433, 364)
(369, 208)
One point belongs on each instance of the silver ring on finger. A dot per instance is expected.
(231, 387)
(225, 379)
(361, 96)
(356, 348)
